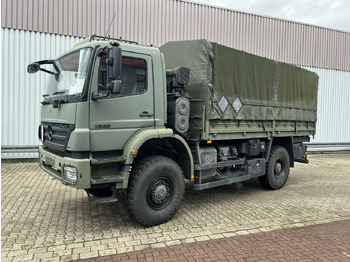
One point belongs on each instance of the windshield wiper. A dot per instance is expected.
(55, 102)
(60, 92)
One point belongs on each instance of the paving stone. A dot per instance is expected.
(89, 255)
(107, 252)
(140, 247)
(43, 255)
(99, 247)
(23, 258)
(46, 218)
(81, 250)
(202, 238)
(124, 249)
(7, 259)
(17, 253)
(69, 258)
(52, 259)
(148, 241)
(215, 236)
(37, 250)
(157, 245)
(173, 242)
(56, 248)
(75, 245)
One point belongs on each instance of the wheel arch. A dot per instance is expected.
(184, 159)
(287, 143)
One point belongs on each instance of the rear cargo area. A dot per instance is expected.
(229, 85)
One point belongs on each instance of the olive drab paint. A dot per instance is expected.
(191, 110)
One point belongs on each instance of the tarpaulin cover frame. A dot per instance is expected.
(267, 89)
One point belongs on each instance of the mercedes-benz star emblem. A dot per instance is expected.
(50, 132)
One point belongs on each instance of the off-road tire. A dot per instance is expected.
(155, 191)
(277, 169)
(100, 192)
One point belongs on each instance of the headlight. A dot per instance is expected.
(70, 174)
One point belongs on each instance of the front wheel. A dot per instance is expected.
(155, 191)
(277, 170)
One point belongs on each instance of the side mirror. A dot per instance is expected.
(33, 68)
(114, 62)
(115, 86)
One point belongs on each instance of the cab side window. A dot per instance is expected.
(133, 77)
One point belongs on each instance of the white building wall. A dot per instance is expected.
(159, 21)
(333, 114)
(21, 94)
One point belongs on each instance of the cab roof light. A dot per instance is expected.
(94, 37)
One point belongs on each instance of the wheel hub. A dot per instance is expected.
(278, 168)
(160, 192)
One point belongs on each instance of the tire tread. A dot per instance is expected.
(135, 178)
(265, 180)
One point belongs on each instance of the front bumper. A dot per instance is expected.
(54, 164)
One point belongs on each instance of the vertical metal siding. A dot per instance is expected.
(158, 21)
(333, 120)
(21, 93)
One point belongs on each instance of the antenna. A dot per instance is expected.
(110, 25)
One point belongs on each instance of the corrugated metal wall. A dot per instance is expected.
(21, 93)
(333, 120)
(158, 21)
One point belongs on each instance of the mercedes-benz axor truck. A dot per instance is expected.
(133, 122)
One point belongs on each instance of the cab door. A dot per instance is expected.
(115, 118)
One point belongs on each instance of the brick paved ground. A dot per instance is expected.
(324, 242)
(43, 220)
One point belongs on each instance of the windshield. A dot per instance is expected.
(70, 74)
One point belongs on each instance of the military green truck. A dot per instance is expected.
(122, 120)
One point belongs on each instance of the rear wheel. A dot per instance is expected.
(155, 191)
(277, 170)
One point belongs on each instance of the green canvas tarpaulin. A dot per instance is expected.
(233, 84)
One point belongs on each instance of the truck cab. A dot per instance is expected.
(85, 122)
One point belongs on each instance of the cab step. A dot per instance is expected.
(106, 179)
(101, 200)
(221, 182)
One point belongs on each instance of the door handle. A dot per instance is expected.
(146, 114)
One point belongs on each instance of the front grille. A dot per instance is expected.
(74, 154)
(56, 135)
